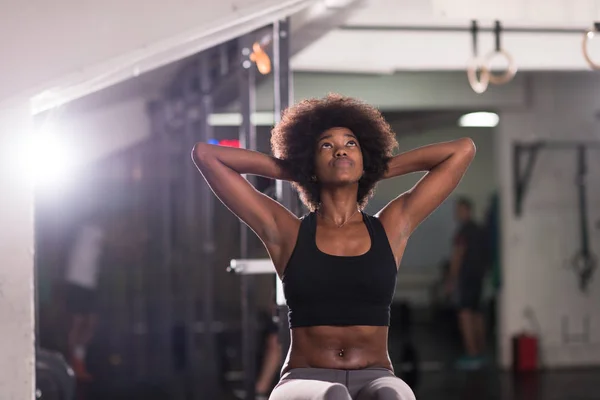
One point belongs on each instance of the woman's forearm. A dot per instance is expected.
(426, 158)
(242, 161)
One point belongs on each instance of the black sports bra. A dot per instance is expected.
(323, 289)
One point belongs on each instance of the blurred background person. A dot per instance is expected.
(270, 359)
(81, 278)
(465, 278)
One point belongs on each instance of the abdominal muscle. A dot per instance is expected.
(348, 347)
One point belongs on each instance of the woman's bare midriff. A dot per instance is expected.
(348, 347)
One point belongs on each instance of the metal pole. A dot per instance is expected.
(138, 333)
(282, 96)
(208, 244)
(282, 99)
(160, 324)
(191, 244)
(247, 140)
(36, 274)
(581, 191)
(466, 28)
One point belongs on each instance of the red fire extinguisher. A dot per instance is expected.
(525, 352)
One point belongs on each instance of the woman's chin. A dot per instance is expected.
(342, 181)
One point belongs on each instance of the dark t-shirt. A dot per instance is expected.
(473, 238)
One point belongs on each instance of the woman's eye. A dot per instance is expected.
(351, 143)
(326, 145)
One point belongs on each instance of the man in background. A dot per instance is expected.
(270, 353)
(465, 280)
(81, 278)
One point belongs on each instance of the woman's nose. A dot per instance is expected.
(340, 152)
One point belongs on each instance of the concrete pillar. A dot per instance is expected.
(17, 358)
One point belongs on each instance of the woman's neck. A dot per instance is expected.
(338, 207)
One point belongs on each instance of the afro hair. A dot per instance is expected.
(294, 138)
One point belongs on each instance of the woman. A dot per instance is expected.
(338, 265)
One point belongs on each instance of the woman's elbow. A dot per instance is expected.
(467, 147)
(201, 153)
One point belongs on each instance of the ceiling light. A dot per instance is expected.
(479, 120)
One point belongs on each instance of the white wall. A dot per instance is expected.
(385, 52)
(63, 44)
(16, 265)
(538, 11)
(402, 91)
(537, 247)
(374, 48)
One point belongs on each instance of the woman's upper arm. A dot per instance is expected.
(402, 215)
(265, 216)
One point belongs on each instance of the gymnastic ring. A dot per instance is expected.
(479, 85)
(510, 72)
(587, 36)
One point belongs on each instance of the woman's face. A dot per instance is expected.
(338, 158)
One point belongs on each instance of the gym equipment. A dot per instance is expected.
(477, 64)
(474, 64)
(483, 65)
(248, 140)
(54, 378)
(587, 37)
(511, 71)
(246, 268)
(584, 262)
(401, 329)
(247, 136)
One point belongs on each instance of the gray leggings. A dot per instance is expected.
(339, 384)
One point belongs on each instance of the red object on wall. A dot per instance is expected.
(525, 353)
(230, 143)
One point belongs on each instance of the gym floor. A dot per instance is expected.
(437, 346)
(555, 385)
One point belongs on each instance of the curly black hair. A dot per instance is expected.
(293, 141)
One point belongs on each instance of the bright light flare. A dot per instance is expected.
(45, 158)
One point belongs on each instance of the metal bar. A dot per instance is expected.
(566, 144)
(282, 96)
(466, 29)
(223, 60)
(138, 321)
(191, 236)
(258, 266)
(498, 35)
(36, 275)
(474, 30)
(247, 140)
(208, 233)
(282, 100)
(581, 191)
(163, 278)
(521, 180)
(517, 179)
